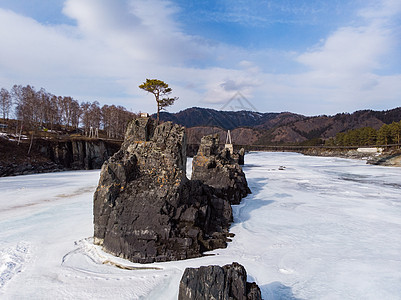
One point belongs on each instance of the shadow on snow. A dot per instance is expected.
(277, 291)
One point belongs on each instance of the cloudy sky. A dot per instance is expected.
(305, 56)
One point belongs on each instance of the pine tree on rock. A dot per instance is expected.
(161, 91)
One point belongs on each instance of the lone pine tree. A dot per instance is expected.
(161, 91)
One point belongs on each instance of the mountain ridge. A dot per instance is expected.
(275, 128)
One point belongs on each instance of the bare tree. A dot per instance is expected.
(85, 118)
(5, 102)
(115, 119)
(42, 102)
(76, 113)
(106, 119)
(53, 111)
(66, 113)
(124, 116)
(16, 93)
(25, 100)
(95, 114)
(40, 108)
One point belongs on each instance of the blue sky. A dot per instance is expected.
(309, 57)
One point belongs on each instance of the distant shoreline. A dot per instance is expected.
(390, 158)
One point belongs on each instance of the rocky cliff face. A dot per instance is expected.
(79, 154)
(145, 208)
(220, 283)
(219, 170)
(53, 155)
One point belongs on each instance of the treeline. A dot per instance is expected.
(39, 108)
(367, 136)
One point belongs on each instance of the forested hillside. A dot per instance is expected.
(387, 134)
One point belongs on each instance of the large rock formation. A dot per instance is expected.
(219, 283)
(219, 170)
(145, 208)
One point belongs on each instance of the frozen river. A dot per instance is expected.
(322, 228)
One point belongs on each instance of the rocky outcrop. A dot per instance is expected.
(219, 170)
(45, 155)
(220, 283)
(79, 154)
(145, 208)
(239, 156)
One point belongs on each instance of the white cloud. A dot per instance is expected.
(141, 30)
(349, 50)
(116, 45)
(343, 69)
(381, 10)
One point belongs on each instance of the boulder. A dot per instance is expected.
(146, 210)
(219, 170)
(220, 283)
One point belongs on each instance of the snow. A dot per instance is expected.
(321, 228)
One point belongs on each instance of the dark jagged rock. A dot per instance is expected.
(220, 283)
(239, 156)
(145, 208)
(219, 170)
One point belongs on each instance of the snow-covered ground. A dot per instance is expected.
(322, 228)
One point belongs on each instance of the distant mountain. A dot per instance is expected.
(249, 127)
(328, 126)
(196, 116)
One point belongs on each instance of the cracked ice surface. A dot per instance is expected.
(321, 228)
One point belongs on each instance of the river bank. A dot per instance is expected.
(386, 158)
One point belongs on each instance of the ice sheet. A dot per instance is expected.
(322, 228)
